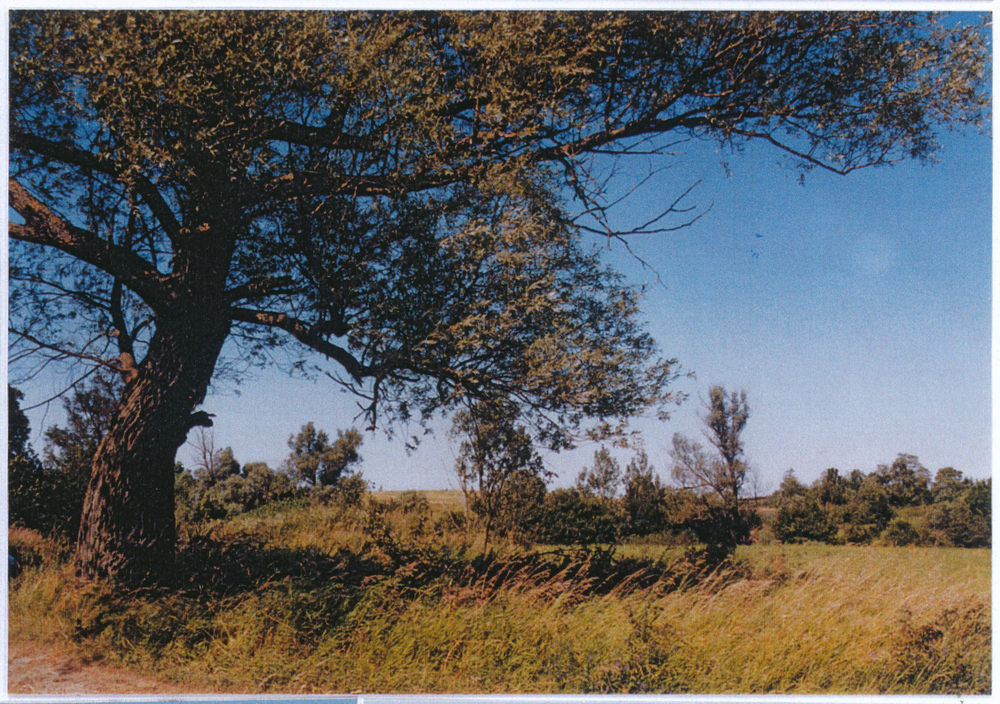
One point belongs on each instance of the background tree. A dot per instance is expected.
(28, 492)
(382, 192)
(317, 462)
(48, 495)
(496, 454)
(906, 481)
(643, 501)
(603, 478)
(948, 485)
(721, 475)
(90, 412)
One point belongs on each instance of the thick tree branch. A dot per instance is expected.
(77, 157)
(42, 226)
(262, 288)
(305, 334)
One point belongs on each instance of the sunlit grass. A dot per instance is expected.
(428, 613)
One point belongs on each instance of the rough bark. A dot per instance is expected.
(128, 517)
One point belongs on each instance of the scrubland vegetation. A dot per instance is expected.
(301, 580)
(301, 597)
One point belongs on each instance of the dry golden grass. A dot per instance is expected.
(419, 618)
(440, 501)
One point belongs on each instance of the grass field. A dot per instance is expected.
(325, 599)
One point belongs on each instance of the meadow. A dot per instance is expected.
(397, 596)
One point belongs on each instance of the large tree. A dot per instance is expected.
(386, 193)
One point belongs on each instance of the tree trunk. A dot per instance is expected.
(127, 528)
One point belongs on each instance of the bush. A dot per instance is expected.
(956, 522)
(571, 517)
(42, 498)
(802, 518)
(900, 533)
(349, 492)
(721, 530)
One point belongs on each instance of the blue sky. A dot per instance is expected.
(854, 310)
(858, 321)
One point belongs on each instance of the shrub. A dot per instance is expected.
(900, 533)
(349, 492)
(571, 517)
(802, 518)
(413, 502)
(960, 525)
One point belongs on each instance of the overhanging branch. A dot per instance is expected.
(42, 226)
(78, 157)
(305, 334)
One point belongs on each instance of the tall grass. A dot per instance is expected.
(308, 601)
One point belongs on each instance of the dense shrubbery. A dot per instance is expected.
(898, 504)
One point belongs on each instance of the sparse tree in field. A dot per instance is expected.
(724, 472)
(721, 474)
(644, 497)
(318, 462)
(496, 453)
(603, 478)
(382, 193)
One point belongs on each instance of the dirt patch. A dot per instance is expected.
(47, 668)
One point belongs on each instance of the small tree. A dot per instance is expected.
(643, 500)
(949, 484)
(791, 487)
(803, 518)
(833, 488)
(720, 476)
(496, 452)
(317, 462)
(48, 495)
(906, 481)
(27, 488)
(603, 478)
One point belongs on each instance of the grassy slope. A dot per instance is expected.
(322, 608)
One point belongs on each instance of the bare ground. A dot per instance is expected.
(36, 668)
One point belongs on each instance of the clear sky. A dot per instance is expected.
(854, 310)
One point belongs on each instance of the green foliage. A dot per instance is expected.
(317, 462)
(572, 517)
(900, 533)
(870, 506)
(802, 518)
(603, 478)
(496, 466)
(644, 502)
(906, 481)
(948, 485)
(833, 489)
(200, 498)
(791, 487)
(718, 479)
(411, 502)
(962, 522)
(895, 504)
(46, 497)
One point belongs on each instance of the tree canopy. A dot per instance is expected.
(397, 200)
